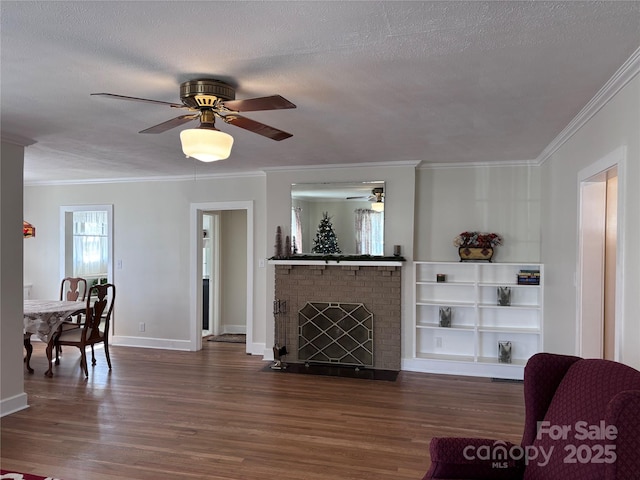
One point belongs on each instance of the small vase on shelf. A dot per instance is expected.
(504, 296)
(445, 317)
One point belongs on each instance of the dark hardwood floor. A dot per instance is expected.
(216, 414)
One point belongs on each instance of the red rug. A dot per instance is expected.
(7, 475)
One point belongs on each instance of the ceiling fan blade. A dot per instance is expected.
(169, 124)
(274, 102)
(136, 99)
(257, 127)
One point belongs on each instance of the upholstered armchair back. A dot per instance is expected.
(581, 429)
(582, 422)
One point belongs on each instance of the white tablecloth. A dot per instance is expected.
(43, 317)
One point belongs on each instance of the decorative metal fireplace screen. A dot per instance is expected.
(336, 333)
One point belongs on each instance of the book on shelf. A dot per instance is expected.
(528, 277)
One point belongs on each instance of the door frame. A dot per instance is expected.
(214, 284)
(596, 172)
(195, 267)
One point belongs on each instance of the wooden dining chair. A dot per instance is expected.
(95, 326)
(72, 289)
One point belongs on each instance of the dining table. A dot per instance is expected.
(42, 318)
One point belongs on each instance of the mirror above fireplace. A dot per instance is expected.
(355, 212)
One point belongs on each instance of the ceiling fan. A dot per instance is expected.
(209, 99)
(376, 198)
(377, 195)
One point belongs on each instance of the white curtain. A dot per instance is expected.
(296, 231)
(90, 244)
(369, 232)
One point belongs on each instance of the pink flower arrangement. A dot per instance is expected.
(477, 239)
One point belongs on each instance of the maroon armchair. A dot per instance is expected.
(582, 422)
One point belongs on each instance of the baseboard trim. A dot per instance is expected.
(13, 404)
(462, 368)
(235, 329)
(143, 342)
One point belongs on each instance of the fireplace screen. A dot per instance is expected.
(336, 333)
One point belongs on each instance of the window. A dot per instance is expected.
(369, 232)
(296, 231)
(90, 244)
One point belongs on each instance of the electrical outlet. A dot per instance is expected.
(141, 327)
(438, 342)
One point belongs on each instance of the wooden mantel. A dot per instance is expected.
(338, 263)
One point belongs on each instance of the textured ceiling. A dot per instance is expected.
(383, 82)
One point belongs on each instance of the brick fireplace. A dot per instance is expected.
(375, 285)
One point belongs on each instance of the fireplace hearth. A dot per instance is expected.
(337, 371)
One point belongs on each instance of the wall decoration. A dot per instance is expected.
(28, 230)
(278, 247)
(287, 246)
(476, 246)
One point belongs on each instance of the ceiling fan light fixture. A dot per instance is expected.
(206, 144)
(378, 206)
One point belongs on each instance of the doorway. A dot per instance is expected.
(211, 303)
(229, 269)
(86, 244)
(600, 262)
(224, 257)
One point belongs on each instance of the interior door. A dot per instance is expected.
(598, 255)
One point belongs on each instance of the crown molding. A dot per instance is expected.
(168, 178)
(504, 163)
(408, 163)
(184, 178)
(623, 75)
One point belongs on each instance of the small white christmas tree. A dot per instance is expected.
(326, 240)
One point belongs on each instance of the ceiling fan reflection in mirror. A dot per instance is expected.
(376, 198)
(209, 99)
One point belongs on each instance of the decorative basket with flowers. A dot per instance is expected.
(473, 246)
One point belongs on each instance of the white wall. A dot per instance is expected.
(12, 395)
(233, 252)
(616, 125)
(151, 238)
(499, 199)
(447, 201)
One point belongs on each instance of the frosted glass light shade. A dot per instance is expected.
(206, 144)
(377, 206)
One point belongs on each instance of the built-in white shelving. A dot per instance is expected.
(470, 345)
